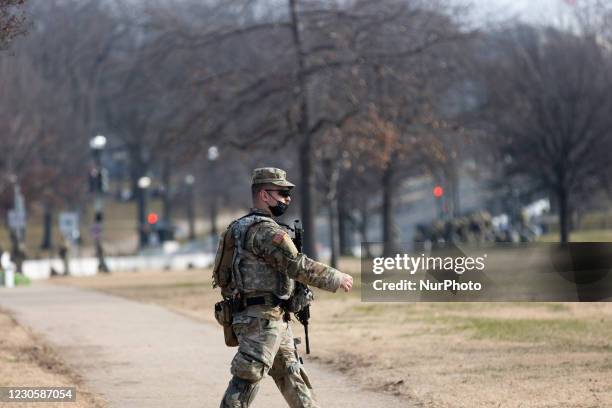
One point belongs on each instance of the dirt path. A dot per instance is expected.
(142, 355)
(26, 361)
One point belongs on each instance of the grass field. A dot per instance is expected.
(431, 354)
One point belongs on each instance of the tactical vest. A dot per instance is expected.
(252, 274)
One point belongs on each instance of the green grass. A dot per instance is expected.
(587, 334)
(446, 318)
(532, 330)
(20, 280)
(571, 334)
(556, 307)
(580, 236)
(449, 309)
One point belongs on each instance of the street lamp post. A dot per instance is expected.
(17, 224)
(98, 186)
(143, 185)
(189, 181)
(213, 155)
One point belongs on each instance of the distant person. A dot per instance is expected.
(263, 266)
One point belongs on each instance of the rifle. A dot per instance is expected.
(303, 315)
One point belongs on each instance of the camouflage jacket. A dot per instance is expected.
(269, 242)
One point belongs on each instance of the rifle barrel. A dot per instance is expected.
(306, 337)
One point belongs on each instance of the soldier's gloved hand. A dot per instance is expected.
(346, 282)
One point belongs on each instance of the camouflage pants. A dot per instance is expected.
(266, 347)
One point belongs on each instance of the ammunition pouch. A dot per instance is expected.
(302, 297)
(222, 267)
(224, 315)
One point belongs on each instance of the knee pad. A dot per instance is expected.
(282, 371)
(247, 368)
(294, 369)
(240, 393)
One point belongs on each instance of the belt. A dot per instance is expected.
(268, 300)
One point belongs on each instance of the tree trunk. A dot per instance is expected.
(213, 209)
(345, 241)
(455, 209)
(333, 235)
(305, 145)
(191, 213)
(307, 207)
(143, 228)
(17, 252)
(166, 198)
(332, 204)
(138, 170)
(64, 253)
(214, 218)
(389, 238)
(363, 229)
(135, 173)
(47, 241)
(564, 211)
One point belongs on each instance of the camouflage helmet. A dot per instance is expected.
(271, 175)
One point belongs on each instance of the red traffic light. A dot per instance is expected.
(438, 191)
(152, 218)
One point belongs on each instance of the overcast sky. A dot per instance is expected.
(529, 10)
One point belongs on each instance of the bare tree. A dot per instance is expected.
(12, 21)
(549, 98)
(166, 81)
(281, 94)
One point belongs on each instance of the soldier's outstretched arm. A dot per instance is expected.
(275, 246)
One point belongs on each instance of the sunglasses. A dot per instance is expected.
(283, 193)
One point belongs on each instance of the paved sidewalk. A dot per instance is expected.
(142, 355)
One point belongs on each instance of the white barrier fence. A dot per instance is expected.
(41, 268)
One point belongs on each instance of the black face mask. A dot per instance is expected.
(279, 209)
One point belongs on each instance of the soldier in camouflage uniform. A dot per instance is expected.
(265, 267)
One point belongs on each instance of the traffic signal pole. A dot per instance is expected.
(98, 186)
(438, 193)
